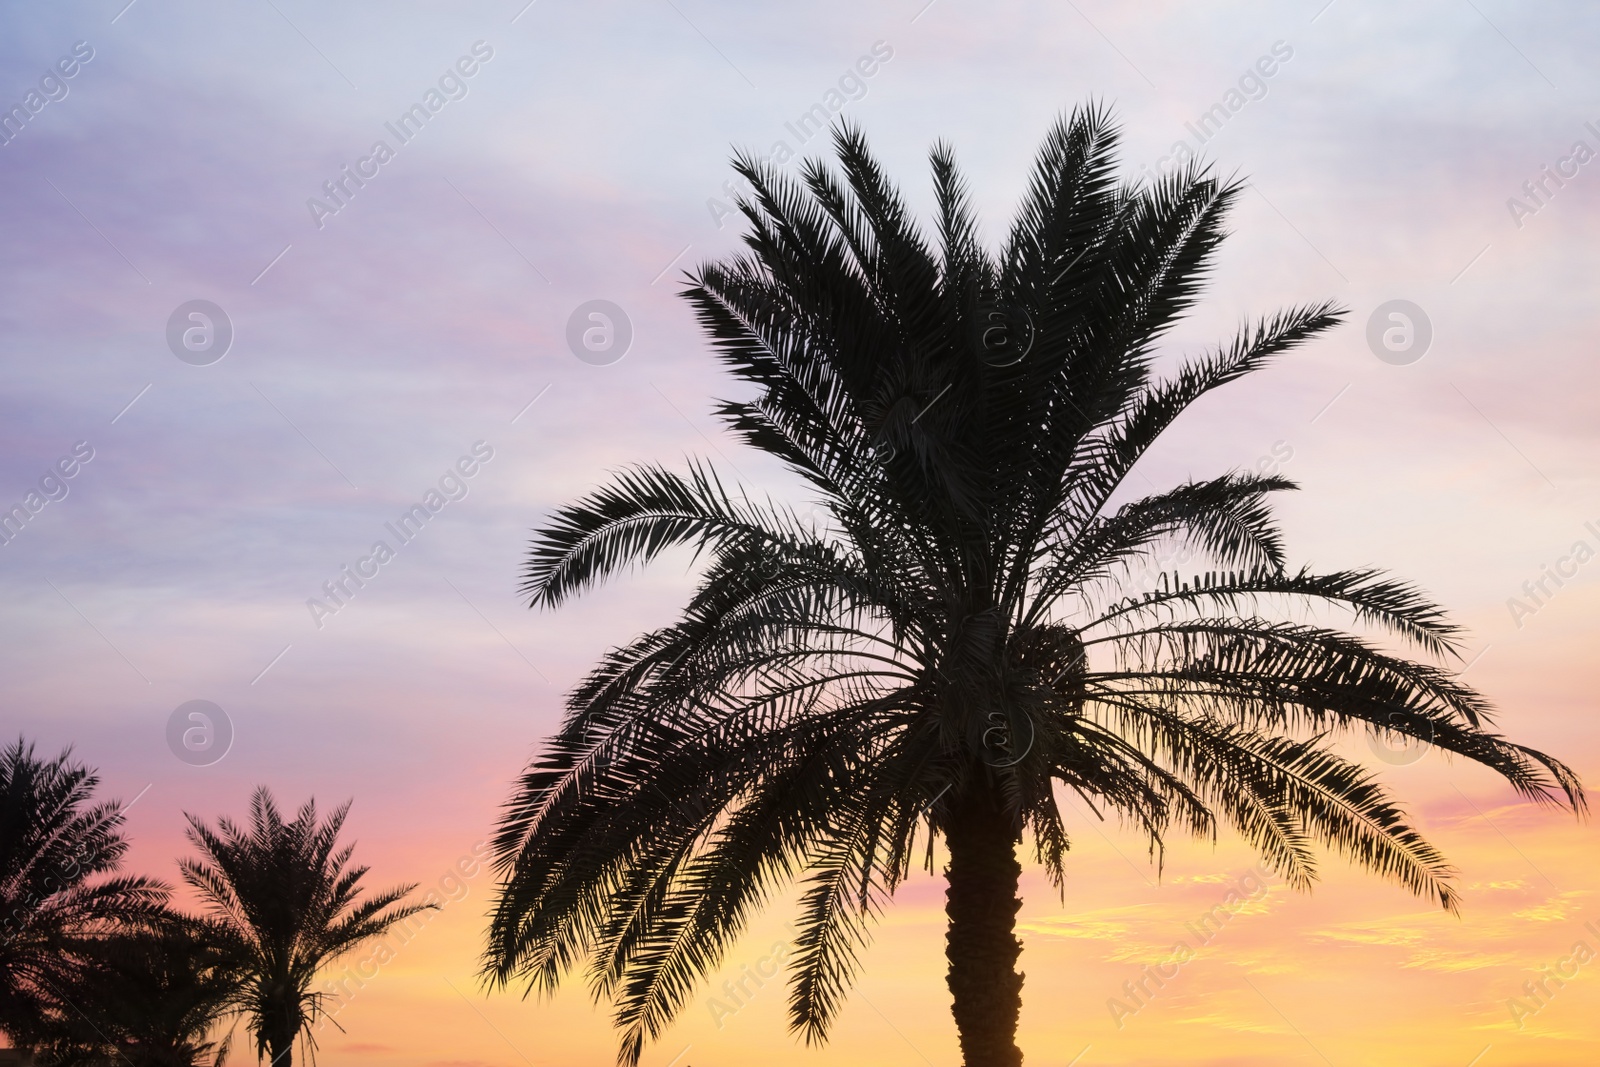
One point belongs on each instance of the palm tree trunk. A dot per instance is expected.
(281, 1045)
(981, 906)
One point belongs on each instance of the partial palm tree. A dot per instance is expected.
(156, 994)
(959, 647)
(284, 901)
(59, 854)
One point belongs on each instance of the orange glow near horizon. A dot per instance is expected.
(1123, 970)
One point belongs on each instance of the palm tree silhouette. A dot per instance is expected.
(55, 846)
(957, 647)
(151, 995)
(284, 901)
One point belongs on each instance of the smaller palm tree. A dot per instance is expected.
(284, 901)
(153, 995)
(55, 847)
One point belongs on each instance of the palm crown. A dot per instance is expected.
(59, 852)
(954, 648)
(284, 900)
(151, 994)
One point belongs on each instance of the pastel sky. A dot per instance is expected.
(375, 347)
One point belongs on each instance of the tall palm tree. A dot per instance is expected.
(956, 648)
(284, 901)
(57, 849)
(151, 995)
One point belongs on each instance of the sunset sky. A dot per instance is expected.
(584, 158)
